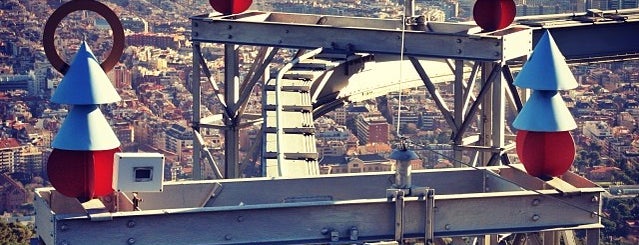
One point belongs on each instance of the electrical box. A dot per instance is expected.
(138, 171)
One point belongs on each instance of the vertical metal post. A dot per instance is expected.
(592, 237)
(197, 115)
(499, 112)
(459, 110)
(409, 8)
(399, 216)
(429, 226)
(231, 97)
(486, 115)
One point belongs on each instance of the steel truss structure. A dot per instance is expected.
(333, 67)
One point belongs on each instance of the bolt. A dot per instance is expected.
(458, 40)
(496, 53)
(130, 224)
(64, 227)
(354, 233)
(535, 217)
(535, 202)
(334, 236)
(230, 36)
(595, 199)
(459, 51)
(196, 34)
(130, 241)
(487, 188)
(228, 237)
(497, 43)
(195, 24)
(230, 27)
(593, 215)
(240, 218)
(325, 231)
(65, 242)
(447, 226)
(287, 31)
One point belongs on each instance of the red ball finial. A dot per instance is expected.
(545, 154)
(493, 15)
(230, 6)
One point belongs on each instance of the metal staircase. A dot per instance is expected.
(289, 113)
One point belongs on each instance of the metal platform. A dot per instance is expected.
(334, 209)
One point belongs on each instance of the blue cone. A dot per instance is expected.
(85, 83)
(545, 111)
(85, 129)
(546, 69)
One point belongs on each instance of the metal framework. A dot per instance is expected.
(349, 208)
(452, 44)
(334, 209)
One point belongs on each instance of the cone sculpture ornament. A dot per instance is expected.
(544, 143)
(81, 164)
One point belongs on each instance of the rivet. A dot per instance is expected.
(196, 34)
(535, 202)
(354, 233)
(287, 31)
(130, 241)
(595, 199)
(447, 226)
(230, 27)
(535, 217)
(334, 236)
(497, 43)
(487, 188)
(195, 24)
(228, 237)
(325, 231)
(459, 51)
(280, 41)
(64, 227)
(458, 40)
(230, 36)
(65, 242)
(130, 224)
(240, 218)
(496, 53)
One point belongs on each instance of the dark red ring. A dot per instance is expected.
(54, 20)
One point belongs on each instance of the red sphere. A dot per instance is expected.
(493, 15)
(545, 154)
(82, 174)
(230, 6)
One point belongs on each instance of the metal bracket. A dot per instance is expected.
(423, 193)
(398, 196)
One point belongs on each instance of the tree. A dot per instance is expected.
(14, 233)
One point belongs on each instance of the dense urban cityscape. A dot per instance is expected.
(156, 108)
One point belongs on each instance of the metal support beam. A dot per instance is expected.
(475, 106)
(365, 35)
(459, 108)
(231, 97)
(498, 120)
(255, 73)
(434, 93)
(196, 91)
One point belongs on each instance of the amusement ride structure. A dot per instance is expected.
(341, 60)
